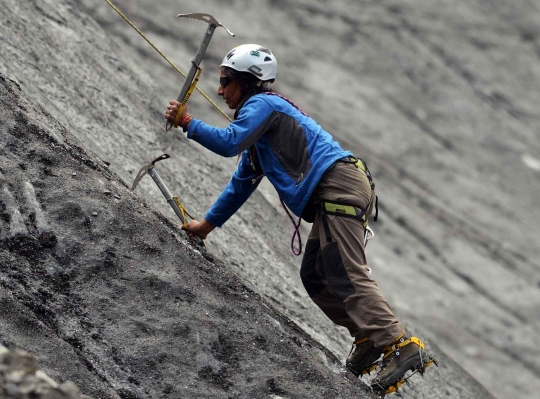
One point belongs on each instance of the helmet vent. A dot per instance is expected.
(264, 50)
(267, 59)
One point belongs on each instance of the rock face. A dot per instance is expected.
(439, 98)
(21, 379)
(106, 292)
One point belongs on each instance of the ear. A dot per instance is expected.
(243, 84)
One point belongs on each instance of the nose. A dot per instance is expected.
(220, 91)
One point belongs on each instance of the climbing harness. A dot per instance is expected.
(173, 201)
(204, 17)
(362, 166)
(337, 209)
(344, 210)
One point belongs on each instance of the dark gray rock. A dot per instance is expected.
(439, 98)
(122, 305)
(21, 379)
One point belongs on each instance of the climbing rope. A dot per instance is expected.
(167, 59)
(296, 233)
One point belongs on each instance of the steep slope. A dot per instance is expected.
(439, 98)
(107, 293)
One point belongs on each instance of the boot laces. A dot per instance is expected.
(396, 351)
(392, 351)
(386, 360)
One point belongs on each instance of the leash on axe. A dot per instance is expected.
(187, 89)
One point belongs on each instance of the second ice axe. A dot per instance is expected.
(195, 71)
(173, 201)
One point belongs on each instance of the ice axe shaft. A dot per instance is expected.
(185, 93)
(168, 196)
(172, 200)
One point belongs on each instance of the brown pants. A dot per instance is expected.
(334, 269)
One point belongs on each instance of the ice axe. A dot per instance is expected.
(173, 201)
(193, 76)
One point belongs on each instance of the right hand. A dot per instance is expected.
(172, 111)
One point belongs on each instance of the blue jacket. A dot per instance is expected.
(275, 139)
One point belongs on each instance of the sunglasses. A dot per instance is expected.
(224, 81)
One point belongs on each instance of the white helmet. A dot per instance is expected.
(252, 58)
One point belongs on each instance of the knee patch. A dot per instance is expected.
(308, 271)
(337, 276)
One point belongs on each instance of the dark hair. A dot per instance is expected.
(250, 84)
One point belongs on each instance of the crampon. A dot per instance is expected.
(363, 357)
(420, 368)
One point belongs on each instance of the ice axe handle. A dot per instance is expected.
(195, 65)
(168, 196)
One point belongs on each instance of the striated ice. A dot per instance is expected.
(33, 204)
(16, 225)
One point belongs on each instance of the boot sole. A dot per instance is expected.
(420, 367)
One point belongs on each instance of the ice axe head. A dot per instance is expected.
(144, 170)
(210, 20)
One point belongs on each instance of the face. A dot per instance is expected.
(231, 93)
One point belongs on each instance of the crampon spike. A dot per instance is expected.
(368, 370)
(379, 390)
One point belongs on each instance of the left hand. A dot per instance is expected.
(172, 111)
(199, 228)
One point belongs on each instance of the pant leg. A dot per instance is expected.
(316, 284)
(344, 261)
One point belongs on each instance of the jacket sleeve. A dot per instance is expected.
(254, 119)
(237, 191)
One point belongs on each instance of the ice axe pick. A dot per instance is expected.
(195, 71)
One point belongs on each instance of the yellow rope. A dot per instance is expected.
(167, 59)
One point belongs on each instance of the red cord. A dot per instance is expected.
(296, 231)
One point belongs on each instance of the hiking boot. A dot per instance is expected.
(404, 355)
(363, 357)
